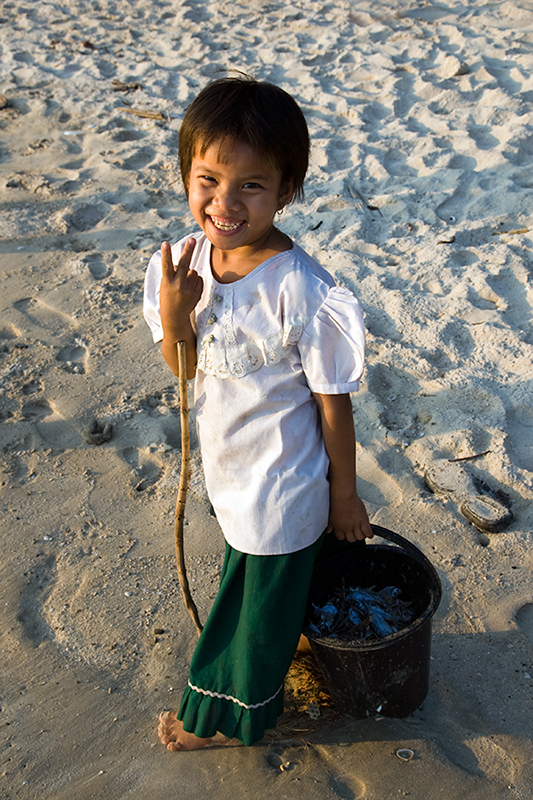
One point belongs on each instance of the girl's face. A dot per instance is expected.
(234, 195)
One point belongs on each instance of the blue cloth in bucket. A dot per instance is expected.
(361, 614)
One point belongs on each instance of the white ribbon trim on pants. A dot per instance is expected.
(234, 699)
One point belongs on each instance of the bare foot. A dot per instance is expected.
(172, 735)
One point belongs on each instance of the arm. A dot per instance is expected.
(348, 518)
(181, 289)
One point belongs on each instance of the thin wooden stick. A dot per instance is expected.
(470, 458)
(182, 491)
(510, 233)
(139, 112)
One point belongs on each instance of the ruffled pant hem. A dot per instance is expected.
(205, 715)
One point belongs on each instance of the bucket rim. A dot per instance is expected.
(414, 552)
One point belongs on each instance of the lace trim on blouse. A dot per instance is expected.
(236, 360)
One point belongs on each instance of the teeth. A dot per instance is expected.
(225, 226)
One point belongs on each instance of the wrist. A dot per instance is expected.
(172, 338)
(343, 490)
(172, 334)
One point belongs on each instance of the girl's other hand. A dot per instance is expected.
(347, 514)
(348, 519)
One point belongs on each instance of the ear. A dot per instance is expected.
(286, 193)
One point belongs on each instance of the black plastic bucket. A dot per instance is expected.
(388, 676)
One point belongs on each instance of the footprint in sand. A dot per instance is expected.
(345, 786)
(107, 69)
(145, 472)
(405, 95)
(88, 215)
(524, 618)
(349, 789)
(519, 423)
(97, 266)
(8, 332)
(39, 580)
(140, 159)
(128, 135)
(298, 759)
(482, 136)
(39, 313)
(73, 357)
(278, 758)
(98, 432)
(394, 388)
(49, 428)
(37, 409)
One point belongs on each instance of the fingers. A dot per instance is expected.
(186, 256)
(368, 533)
(182, 267)
(166, 260)
(357, 534)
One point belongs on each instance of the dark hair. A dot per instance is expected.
(256, 113)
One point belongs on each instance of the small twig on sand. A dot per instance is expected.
(146, 114)
(120, 86)
(470, 458)
(516, 232)
(182, 491)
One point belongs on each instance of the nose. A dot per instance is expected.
(226, 198)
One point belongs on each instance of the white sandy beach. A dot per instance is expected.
(419, 199)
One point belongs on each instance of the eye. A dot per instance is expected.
(207, 178)
(252, 185)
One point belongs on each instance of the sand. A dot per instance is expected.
(419, 199)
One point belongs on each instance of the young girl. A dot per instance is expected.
(275, 348)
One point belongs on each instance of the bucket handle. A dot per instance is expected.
(405, 544)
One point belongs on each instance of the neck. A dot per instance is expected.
(229, 266)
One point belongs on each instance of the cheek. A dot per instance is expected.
(195, 206)
(195, 198)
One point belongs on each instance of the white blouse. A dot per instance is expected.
(265, 343)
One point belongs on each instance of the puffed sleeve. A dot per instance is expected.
(332, 346)
(152, 283)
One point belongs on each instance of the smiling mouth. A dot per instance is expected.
(225, 225)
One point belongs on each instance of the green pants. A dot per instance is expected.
(249, 640)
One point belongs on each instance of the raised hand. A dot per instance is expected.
(181, 289)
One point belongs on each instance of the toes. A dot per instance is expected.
(166, 735)
(174, 747)
(167, 720)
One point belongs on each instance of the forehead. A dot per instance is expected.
(234, 154)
